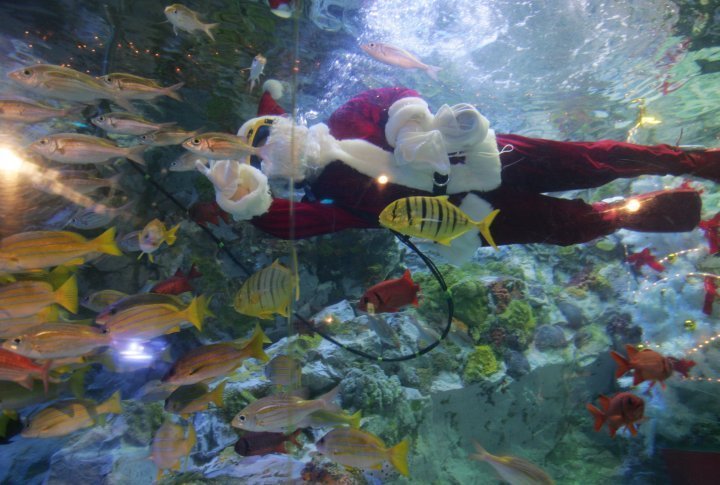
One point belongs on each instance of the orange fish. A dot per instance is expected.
(390, 295)
(648, 365)
(622, 409)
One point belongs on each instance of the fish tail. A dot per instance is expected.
(622, 363)
(398, 456)
(112, 405)
(598, 415)
(67, 295)
(171, 235)
(135, 153)
(432, 72)
(172, 92)
(198, 311)
(481, 453)
(191, 439)
(484, 227)
(105, 243)
(293, 438)
(328, 398)
(207, 28)
(354, 420)
(125, 104)
(217, 395)
(255, 345)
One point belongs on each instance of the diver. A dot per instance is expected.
(386, 144)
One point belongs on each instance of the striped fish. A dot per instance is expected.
(170, 445)
(512, 469)
(216, 360)
(25, 298)
(186, 400)
(267, 292)
(360, 449)
(282, 412)
(9, 327)
(434, 218)
(57, 340)
(45, 249)
(68, 416)
(130, 301)
(145, 322)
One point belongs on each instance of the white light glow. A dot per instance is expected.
(633, 205)
(382, 179)
(10, 162)
(135, 352)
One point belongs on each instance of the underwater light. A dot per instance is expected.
(11, 163)
(135, 352)
(633, 205)
(382, 179)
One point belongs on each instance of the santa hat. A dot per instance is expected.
(272, 91)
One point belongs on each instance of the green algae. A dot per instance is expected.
(480, 365)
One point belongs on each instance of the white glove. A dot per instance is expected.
(462, 126)
(240, 189)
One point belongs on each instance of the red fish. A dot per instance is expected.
(20, 369)
(710, 229)
(644, 258)
(648, 365)
(682, 366)
(263, 443)
(622, 409)
(391, 295)
(208, 212)
(710, 285)
(178, 283)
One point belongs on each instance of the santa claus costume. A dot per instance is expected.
(386, 144)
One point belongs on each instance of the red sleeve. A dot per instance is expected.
(365, 115)
(310, 218)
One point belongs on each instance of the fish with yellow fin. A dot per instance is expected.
(44, 249)
(170, 445)
(25, 298)
(434, 218)
(183, 18)
(57, 340)
(360, 449)
(153, 235)
(267, 292)
(194, 398)
(512, 469)
(68, 416)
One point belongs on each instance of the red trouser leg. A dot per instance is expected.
(538, 165)
(527, 217)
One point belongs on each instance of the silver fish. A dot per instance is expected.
(77, 148)
(98, 216)
(256, 70)
(188, 20)
(26, 112)
(186, 162)
(121, 123)
(166, 137)
(130, 86)
(398, 57)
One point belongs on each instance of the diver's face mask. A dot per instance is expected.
(257, 135)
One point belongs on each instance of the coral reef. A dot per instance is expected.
(480, 364)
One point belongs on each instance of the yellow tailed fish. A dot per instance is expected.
(130, 86)
(10, 327)
(434, 218)
(216, 360)
(267, 292)
(57, 340)
(44, 249)
(220, 146)
(166, 137)
(68, 416)
(26, 112)
(282, 412)
(145, 322)
(360, 449)
(182, 18)
(25, 298)
(121, 123)
(135, 300)
(100, 299)
(194, 398)
(170, 445)
(512, 469)
(284, 371)
(153, 235)
(78, 148)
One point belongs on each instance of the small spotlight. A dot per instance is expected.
(633, 205)
(382, 179)
(10, 162)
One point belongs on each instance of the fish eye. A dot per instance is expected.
(174, 164)
(195, 141)
(241, 418)
(44, 141)
(17, 340)
(27, 72)
(101, 118)
(372, 44)
(113, 311)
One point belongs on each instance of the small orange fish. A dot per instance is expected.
(622, 409)
(648, 365)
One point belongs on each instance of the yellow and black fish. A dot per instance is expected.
(433, 218)
(267, 292)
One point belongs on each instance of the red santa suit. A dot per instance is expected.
(480, 171)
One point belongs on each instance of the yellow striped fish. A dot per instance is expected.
(360, 449)
(145, 322)
(44, 249)
(170, 445)
(434, 218)
(25, 298)
(216, 360)
(267, 292)
(65, 417)
(10, 327)
(57, 340)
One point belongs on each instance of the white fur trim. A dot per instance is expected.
(274, 87)
(240, 189)
(404, 111)
(462, 126)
